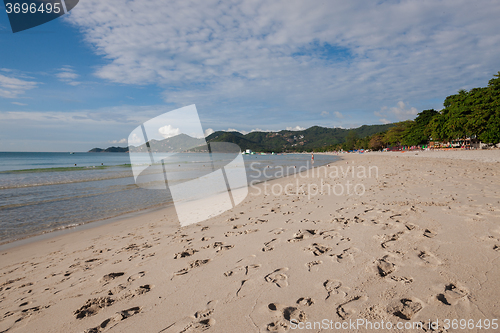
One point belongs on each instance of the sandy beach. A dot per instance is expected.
(398, 240)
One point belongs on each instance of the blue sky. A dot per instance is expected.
(90, 77)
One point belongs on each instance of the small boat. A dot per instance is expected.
(71, 153)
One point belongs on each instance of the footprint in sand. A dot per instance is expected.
(351, 307)
(404, 279)
(334, 288)
(199, 326)
(305, 301)
(218, 246)
(25, 313)
(191, 265)
(286, 314)
(278, 277)
(139, 291)
(278, 231)
(405, 308)
(429, 233)
(269, 246)
(278, 326)
(329, 234)
(111, 276)
(429, 258)
(92, 306)
(136, 276)
(112, 322)
(202, 320)
(318, 249)
(385, 266)
(116, 290)
(453, 293)
(206, 313)
(303, 234)
(313, 266)
(245, 270)
(410, 226)
(245, 232)
(346, 255)
(25, 303)
(390, 239)
(185, 253)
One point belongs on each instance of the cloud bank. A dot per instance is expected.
(68, 75)
(399, 112)
(294, 55)
(12, 87)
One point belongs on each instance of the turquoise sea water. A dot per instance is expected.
(42, 192)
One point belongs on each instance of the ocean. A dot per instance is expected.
(44, 192)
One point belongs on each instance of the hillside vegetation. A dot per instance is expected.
(315, 138)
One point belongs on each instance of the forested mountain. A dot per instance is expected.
(109, 150)
(313, 138)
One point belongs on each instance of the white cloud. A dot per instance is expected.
(18, 103)
(325, 113)
(397, 113)
(258, 130)
(134, 139)
(168, 131)
(208, 131)
(338, 114)
(119, 141)
(295, 54)
(11, 87)
(296, 128)
(125, 115)
(68, 75)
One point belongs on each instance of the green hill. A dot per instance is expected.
(109, 150)
(289, 141)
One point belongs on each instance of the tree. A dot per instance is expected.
(436, 127)
(485, 120)
(474, 113)
(417, 132)
(350, 140)
(394, 136)
(377, 142)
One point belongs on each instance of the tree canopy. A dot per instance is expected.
(474, 113)
(470, 113)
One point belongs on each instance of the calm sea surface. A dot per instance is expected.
(43, 192)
